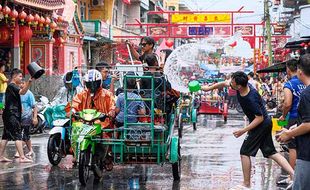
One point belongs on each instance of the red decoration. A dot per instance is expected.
(60, 19)
(6, 11)
(25, 33)
(288, 51)
(13, 14)
(42, 21)
(47, 21)
(22, 16)
(0, 7)
(126, 2)
(36, 19)
(309, 44)
(233, 44)
(53, 26)
(303, 44)
(169, 43)
(30, 19)
(156, 38)
(4, 34)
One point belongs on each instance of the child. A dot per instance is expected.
(29, 118)
(12, 116)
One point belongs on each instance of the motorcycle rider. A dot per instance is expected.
(93, 97)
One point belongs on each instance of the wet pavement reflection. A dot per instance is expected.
(210, 160)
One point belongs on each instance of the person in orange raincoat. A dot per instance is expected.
(94, 97)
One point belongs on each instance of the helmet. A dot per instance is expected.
(93, 80)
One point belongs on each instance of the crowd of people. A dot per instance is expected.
(257, 95)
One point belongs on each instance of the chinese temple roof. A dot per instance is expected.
(43, 4)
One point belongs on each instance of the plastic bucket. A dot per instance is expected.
(275, 125)
(194, 86)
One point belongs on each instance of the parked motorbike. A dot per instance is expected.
(59, 142)
(42, 104)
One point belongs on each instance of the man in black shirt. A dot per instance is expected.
(12, 116)
(301, 133)
(147, 46)
(259, 129)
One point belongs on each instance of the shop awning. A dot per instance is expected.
(276, 68)
(89, 38)
(296, 43)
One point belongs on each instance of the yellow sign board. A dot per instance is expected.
(201, 18)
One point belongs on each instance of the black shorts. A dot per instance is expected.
(259, 138)
(26, 132)
(12, 128)
(292, 143)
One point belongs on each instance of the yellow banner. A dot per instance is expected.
(201, 18)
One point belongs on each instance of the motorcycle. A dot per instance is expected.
(59, 142)
(41, 105)
(91, 154)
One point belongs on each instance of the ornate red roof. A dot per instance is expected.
(43, 4)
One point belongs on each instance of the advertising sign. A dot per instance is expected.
(201, 18)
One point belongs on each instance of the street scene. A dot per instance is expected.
(210, 160)
(155, 94)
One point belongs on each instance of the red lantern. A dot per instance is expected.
(4, 34)
(53, 26)
(25, 33)
(22, 16)
(303, 44)
(30, 19)
(169, 43)
(13, 14)
(36, 19)
(60, 19)
(233, 44)
(47, 21)
(6, 11)
(42, 21)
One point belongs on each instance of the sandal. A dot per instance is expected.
(25, 160)
(4, 159)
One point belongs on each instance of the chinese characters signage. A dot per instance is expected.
(201, 18)
(245, 30)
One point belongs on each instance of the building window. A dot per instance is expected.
(83, 11)
(115, 13)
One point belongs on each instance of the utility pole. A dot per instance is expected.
(268, 30)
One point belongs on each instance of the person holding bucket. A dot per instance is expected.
(12, 113)
(12, 116)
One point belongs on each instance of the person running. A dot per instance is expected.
(259, 128)
(292, 91)
(12, 116)
(29, 118)
(301, 133)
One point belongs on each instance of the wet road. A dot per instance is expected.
(210, 160)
